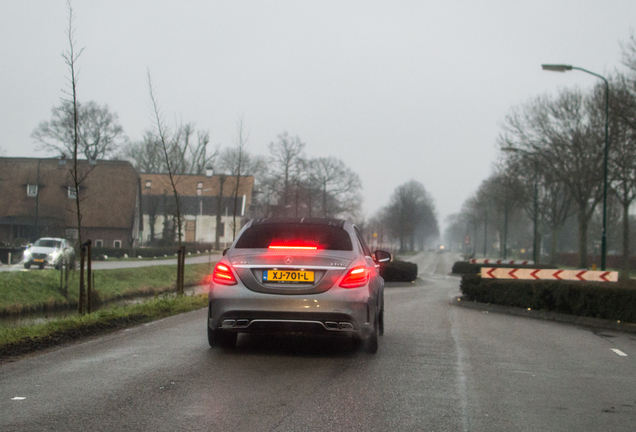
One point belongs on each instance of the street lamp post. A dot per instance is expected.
(564, 68)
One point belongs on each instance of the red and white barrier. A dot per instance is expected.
(495, 261)
(549, 274)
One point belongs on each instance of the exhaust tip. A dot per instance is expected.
(345, 326)
(228, 323)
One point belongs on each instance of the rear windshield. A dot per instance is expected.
(295, 235)
(48, 243)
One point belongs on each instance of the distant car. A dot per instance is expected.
(307, 276)
(48, 251)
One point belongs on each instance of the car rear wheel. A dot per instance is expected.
(27, 266)
(221, 338)
(381, 323)
(371, 342)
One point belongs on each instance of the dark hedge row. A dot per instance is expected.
(398, 271)
(464, 267)
(147, 252)
(613, 301)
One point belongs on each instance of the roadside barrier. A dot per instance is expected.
(549, 274)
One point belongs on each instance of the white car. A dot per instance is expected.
(48, 251)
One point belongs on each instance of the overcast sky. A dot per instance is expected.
(399, 90)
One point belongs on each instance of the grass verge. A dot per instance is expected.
(39, 290)
(19, 341)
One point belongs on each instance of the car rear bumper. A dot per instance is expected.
(337, 312)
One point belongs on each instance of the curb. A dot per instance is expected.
(597, 323)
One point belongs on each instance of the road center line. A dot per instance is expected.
(619, 352)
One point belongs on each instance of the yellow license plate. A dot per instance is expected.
(38, 260)
(297, 276)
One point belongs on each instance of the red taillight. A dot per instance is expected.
(223, 275)
(357, 277)
(293, 247)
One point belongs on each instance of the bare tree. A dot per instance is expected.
(146, 155)
(623, 152)
(411, 211)
(566, 133)
(163, 134)
(554, 203)
(236, 161)
(219, 207)
(77, 175)
(187, 154)
(285, 155)
(98, 130)
(339, 186)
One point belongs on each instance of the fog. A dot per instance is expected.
(398, 90)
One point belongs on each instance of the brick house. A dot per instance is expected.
(37, 200)
(201, 198)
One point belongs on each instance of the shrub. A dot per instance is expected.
(398, 271)
(147, 252)
(607, 300)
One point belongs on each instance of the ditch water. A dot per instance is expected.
(23, 320)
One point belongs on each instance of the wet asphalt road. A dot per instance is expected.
(439, 368)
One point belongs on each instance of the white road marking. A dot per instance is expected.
(619, 352)
(461, 372)
(18, 398)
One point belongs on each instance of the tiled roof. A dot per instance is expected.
(187, 185)
(108, 194)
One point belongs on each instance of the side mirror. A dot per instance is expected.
(382, 256)
(225, 251)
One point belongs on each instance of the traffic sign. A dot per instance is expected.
(548, 274)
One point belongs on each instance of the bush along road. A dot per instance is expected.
(606, 300)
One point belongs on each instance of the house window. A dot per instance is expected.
(32, 190)
(148, 184)
(72, 192)
(199, 191)
(99, 243)
(200, 185)
(117, 244)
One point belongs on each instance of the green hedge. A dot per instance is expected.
(147, 252)
(606, 300)
(398, 271)
(464, 267)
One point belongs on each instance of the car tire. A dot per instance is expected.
(41, 266)
(371, 342)
(381, 322)
(221, 338)
(27, 266)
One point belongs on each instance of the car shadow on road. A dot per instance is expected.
(295, 346)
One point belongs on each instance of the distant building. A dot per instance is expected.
(201, 198)
(37, 199)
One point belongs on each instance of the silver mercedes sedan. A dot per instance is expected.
(304, 276)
